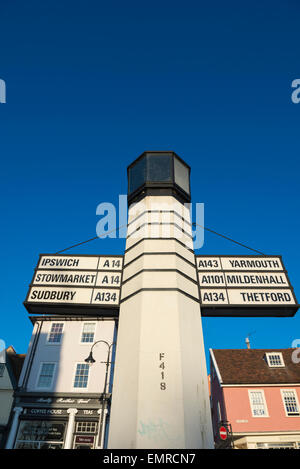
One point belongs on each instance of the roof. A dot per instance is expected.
(249, 366)
(16, 361)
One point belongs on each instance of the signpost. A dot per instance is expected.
(224, 438)
(223, 433)
(160, 397)
(245, 286)
(228, 285)
(75, 281)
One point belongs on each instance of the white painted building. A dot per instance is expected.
(61, 400)
(10, 368)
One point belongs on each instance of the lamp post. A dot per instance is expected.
(90, 360)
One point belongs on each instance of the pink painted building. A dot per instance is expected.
(257, 391)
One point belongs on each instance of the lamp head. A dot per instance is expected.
(90, 359)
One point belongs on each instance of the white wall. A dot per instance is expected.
(70, 352)
(160, 397)
(6, 397)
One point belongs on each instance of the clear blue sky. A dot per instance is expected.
(91, 85)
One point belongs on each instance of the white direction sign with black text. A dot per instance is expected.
(240, 284)
(75, 280)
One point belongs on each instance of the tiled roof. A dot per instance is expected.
(16, 361)
(249, 366)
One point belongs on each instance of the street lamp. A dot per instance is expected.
(90, 360)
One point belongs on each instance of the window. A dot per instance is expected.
(275, 445)
(219, 412)
(274, 360)
(88, 332)
(258, 403)
(81, 375)
(55, 334)
(46, 375)
(290, 402)
(86, 427)
(40, 434)
(2, 368)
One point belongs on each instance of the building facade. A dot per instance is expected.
(257, 392)
(62, 401)
(10, 369)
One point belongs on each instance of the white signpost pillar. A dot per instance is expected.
(160, 393)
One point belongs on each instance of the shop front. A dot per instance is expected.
(40, 434)
(57, 425)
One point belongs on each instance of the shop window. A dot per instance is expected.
(86, 427)
(40, 434)
(85, 435)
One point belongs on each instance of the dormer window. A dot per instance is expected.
(274, 359)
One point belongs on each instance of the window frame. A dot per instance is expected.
(39, 375)
(86, 422)
(275, 353)
(49, 333)
(264, 402)
(284, 404)
(81, 333)
(74, 376)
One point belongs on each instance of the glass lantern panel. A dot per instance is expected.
(181, 175)
(137, 175)
(159, 168)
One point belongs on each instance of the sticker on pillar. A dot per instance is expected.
(105, 296)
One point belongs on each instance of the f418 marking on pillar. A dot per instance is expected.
(162, 366)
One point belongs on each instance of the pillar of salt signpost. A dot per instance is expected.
(160, 389)
(160, 392)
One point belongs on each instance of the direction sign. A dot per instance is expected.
(244, 286)
(228, 285)
(70, 283)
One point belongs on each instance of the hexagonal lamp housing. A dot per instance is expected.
(158, 173)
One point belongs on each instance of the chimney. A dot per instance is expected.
(248, 343)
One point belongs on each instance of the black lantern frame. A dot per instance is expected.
(158, 173)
